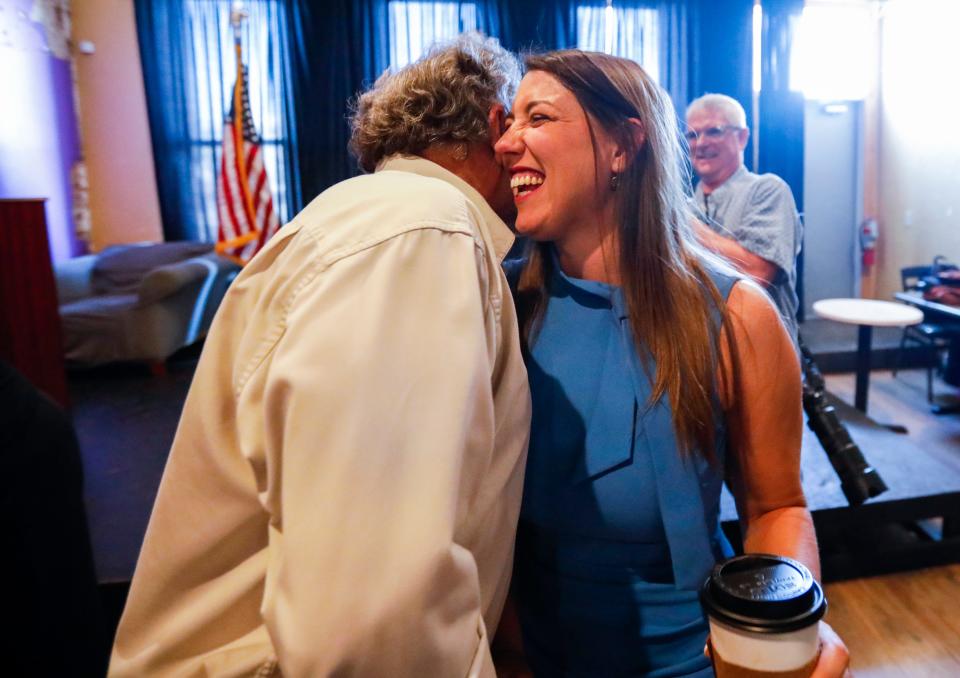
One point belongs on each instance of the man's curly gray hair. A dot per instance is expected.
(444, 97)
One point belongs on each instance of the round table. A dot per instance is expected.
(866, 314)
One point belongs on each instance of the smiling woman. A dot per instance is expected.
(656, 374)
(550, 147)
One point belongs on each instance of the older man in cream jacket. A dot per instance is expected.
(342, 493)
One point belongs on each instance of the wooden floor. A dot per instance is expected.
(906, 624)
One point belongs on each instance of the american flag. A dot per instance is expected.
(247, 217)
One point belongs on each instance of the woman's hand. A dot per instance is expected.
(834, 661)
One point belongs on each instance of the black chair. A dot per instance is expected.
(51, 598)
(933, 335)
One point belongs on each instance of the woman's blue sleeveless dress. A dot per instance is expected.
(617, 530)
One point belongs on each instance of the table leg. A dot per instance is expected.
(864, 339)
(951, 375)
(951, 372)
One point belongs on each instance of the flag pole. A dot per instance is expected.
(245, 206)
(238, 14)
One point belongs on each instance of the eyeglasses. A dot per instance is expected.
(712, 133)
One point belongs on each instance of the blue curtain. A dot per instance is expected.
(539, 25)
(626, 30)
(654, 33)
(675, 47)
(327, 52)
(414, 25)
(168, 107)
(781, 111)
(336, 47)
(189, 68)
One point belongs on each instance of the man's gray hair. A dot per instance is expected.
(731, 109)
(444, 97)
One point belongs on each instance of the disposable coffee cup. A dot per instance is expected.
(764, 614)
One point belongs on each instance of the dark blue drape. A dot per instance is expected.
(676, 49)
(338, 47)
(539, 25)
(781, 111)
(162, 23)
(341, 47)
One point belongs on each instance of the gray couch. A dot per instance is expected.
(139, 302)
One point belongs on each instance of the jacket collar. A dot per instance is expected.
(610, 294)
(500, 235)
(739, 175)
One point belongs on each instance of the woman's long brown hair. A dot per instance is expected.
(669, 295)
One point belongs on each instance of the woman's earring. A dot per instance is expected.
(614, 181)
(460, 152)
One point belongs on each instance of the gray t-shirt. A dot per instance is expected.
(758, 211)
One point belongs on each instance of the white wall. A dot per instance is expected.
(919, 156)
(832, 200)
(38, 127)
(114, 126)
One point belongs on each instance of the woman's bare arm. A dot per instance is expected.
(761, 393)
(763, 402)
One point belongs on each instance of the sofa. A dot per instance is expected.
(139, 302)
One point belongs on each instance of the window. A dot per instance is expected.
(629, 32)
(920, 51)
(833, 51)
(415, 26)
(214, 72)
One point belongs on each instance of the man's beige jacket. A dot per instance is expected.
(343, 489)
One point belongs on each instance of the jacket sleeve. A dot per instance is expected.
(376, 425)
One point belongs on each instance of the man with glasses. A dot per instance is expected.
(750, 219)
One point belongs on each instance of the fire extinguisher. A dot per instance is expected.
(869, 232)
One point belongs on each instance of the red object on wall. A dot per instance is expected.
(30, 337)
(869, 233)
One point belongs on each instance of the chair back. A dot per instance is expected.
(911, 275)
(940, 263)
